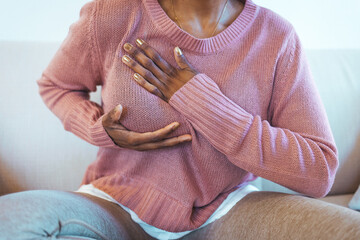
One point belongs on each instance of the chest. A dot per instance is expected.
(246, 85)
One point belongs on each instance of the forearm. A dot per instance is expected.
(77, 113)
(303, 162)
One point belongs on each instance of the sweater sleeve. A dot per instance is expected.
(71, 75)
(294, 147)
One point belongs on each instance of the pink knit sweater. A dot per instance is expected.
(253, 111)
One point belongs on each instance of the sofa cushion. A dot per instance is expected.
(341, 200)
(336, 74)
(355, 200)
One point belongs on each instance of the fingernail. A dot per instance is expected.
(119, 107)
(174, 126)
(128, 46)
(178, 51)
(139, 41)
(126, 59)
(118, 112)
(137, 76)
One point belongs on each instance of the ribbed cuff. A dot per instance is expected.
(99, 136)
(218, 118)
(85, 121)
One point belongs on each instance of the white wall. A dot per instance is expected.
(37, 20)
(320, 23)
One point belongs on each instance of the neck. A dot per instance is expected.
(204, 10)
(201, 17)
(200, 7)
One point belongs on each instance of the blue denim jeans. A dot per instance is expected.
(44, 214)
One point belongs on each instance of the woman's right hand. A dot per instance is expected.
(140, 141)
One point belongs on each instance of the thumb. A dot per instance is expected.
(181, 59)
(116, 113)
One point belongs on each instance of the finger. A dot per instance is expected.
(117, 113)
(181, 59)
(141, 138)
(164, 143)
(146, 62)
(142, 71)
(148, 86)
(114, 115)
(155, 57)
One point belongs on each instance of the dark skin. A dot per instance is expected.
(198, 18)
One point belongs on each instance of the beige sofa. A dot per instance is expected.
(36, 152)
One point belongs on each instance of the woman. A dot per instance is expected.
(230, 82)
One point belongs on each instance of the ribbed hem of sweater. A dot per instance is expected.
(151, 209)
(201, 101)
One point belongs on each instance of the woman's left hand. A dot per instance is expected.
(153, 73)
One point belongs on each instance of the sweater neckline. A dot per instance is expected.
(202, 45)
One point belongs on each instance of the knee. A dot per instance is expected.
(42, 214)
(32, 204)
(278, 216)
(35, 214)
(27, 213)
(270, 215)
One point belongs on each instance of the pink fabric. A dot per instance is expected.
(254, 110)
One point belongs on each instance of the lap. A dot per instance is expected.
(42, 213)
(270, 215)
(260, 215)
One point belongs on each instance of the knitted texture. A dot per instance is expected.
(253, 111)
